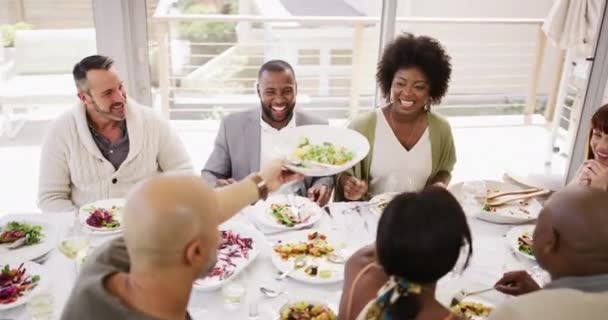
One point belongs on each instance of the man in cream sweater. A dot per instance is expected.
(571, 243)
(105, 144)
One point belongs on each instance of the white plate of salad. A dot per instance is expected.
(239, 246)
(287, 212)
(471, 196)
(318, 150)
(520, 240)
(19, 282)
(24, 240)
(103, 216)
(305, 254)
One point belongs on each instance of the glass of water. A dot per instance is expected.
(40, 307)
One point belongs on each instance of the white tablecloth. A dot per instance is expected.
(491, 258)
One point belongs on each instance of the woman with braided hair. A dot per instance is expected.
(419, 239)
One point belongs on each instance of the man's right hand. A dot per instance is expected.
(354, 189)
(516, 283)
(224, 182)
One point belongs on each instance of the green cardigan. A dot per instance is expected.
(443, 153)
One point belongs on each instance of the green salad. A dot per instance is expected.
(14, 231)
(325, 153)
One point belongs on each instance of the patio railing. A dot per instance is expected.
(335, 58)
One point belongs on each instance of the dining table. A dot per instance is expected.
(352, 222)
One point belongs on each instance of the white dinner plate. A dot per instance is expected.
(380, 201)
(258, 244)
(288, 140)
(32, 269)
(473, 202)
(31, 252)
(337, 270)
(515, 233)
(306, 208)
(107, 204)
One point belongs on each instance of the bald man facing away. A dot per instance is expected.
(571, 243)
(170, 240)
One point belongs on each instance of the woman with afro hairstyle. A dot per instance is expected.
(410, 146)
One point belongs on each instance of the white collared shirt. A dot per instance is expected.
(267, 136)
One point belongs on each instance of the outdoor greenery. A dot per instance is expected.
(8, 32)
(198, 31)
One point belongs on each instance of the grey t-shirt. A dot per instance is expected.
(89, 299)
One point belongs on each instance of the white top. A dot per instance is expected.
(73, 171)
(395, 169)
(268, 135)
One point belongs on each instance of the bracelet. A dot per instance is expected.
(261, 185)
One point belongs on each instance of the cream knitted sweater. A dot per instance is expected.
(73, 171)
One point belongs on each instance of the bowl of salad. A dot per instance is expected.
(104, 216)
(318, 150)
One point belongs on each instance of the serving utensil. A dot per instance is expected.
(495, 201)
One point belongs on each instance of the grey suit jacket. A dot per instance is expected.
(236, 153)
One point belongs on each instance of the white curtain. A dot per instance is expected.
(572, 24)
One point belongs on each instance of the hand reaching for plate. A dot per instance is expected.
(354, 189)
(320, 194)
(516, 283)
(275, 174)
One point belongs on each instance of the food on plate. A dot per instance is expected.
(521, 207)
(103, 218)
(285, 215)
(233, 247)
(14, 231)
(325, 153)
(524, 243)
(313, 271)
(469, 309)
(14, 283)
(304, 310)
(315, 246)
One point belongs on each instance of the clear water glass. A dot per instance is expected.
(233, 294)
(40, 307)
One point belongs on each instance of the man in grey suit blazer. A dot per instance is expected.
(244, 140)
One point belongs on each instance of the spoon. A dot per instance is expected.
(271, 293)
(461, 295)
(298, 264)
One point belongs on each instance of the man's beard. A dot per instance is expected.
(109, 113)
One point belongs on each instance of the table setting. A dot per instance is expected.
(284, 256)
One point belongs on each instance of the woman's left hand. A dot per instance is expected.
(596, 174)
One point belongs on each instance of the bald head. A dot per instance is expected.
(571, 236)
(165, 215)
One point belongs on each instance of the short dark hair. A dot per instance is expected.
(89, 63)
(420, 237)
(599, 120)
(422, 52)
(276, 66)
